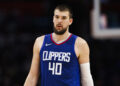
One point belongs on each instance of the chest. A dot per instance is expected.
(57, 52)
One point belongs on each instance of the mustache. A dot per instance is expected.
(59, 25)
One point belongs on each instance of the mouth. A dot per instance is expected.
(59, 25)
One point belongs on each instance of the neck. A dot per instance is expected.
(59, 38)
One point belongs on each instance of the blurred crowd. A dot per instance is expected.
(21, 23)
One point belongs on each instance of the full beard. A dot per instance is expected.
(61, 32)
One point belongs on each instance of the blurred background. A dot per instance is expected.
(21, 21)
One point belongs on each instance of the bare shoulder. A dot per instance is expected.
(39, 41)
(40, 38)
(81, 46)
(80, 42)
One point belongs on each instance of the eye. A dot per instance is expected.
(56, 17)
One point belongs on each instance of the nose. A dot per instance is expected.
(59, 20)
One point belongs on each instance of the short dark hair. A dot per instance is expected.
(63, 7)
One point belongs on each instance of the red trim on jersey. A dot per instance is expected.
(61, 42)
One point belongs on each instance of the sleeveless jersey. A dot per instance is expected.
(58, 62)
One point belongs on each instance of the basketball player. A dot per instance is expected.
(60, 58)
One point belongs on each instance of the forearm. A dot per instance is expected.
(86, 77)
(31, 80)
(88, 81)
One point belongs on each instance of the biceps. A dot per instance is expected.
(35, 65)
(84, 55)
(83, 59)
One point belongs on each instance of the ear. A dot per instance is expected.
(71, 20)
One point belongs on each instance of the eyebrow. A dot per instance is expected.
(58, 15)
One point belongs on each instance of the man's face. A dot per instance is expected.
(61, 21)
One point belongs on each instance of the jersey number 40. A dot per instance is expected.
(56, 68)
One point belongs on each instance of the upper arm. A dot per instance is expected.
(34, 70)
(82, 50)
